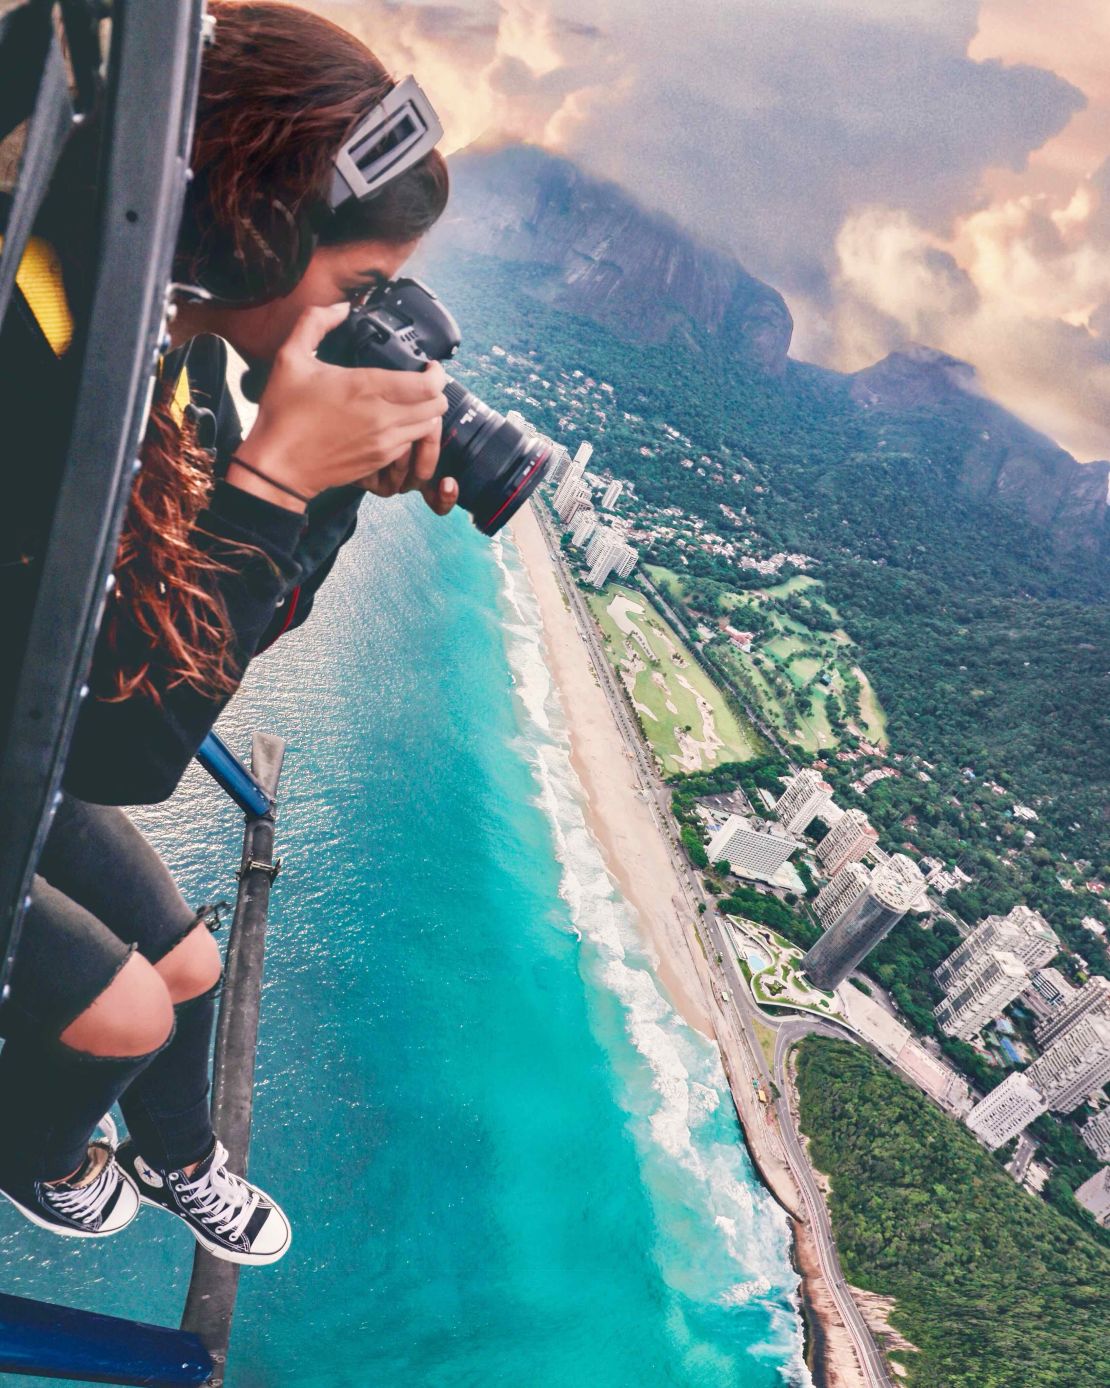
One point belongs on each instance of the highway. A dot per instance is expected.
(736, 1011)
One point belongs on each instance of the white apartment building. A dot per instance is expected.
(557, 467)
(608, 553)
(752, 847)
(569, 490)
(836, 898)
(805, 797)
(1076, 1065)
(1094, 1195)
(847, 841)
(612, 495)
(1096, 1134)
(1092, 998)
(585, 523)
(1023, 932)
(583, 456)
(1047, 993)
(978, 995)
(1006, 1111)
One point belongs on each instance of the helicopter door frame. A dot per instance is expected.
(148, 127)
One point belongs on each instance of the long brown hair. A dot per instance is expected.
(280, 88)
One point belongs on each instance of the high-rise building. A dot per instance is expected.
(585, 523)
(583, 455)
(575, 499)
(1094, 1195)
(804, 798)
(755, 848)
(1096, 1134)
(1047, 993)
(612, 494)
(977, 996)
(1023, 932)
(608, 553)
(557, 467)
(567, 493)
(846, 842)
(1093, 997)
(837, 897)
(1006, 1111)
(893, 889)
(1076, 1065)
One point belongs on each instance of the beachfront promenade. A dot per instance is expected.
(849, 1352)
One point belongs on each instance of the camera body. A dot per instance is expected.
(401, 326)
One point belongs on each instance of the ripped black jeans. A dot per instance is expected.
(100, 894)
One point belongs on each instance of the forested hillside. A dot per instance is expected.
(994, 1288)
(989, 649)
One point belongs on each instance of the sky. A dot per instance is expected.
(933, 171)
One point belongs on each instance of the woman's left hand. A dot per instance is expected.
(416, 472)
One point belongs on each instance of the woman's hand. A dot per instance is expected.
(415, 472)
(322, 426)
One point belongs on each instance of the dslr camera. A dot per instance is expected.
(401, 326)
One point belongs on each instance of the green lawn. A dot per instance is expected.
(801, 656)
(668, 685)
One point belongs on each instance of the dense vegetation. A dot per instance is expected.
(989, 652)
(965, 614)
(993, 1287)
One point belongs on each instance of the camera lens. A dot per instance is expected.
(496, 466)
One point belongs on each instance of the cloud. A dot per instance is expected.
(919, 170)
(1020, 288)
(507, 69)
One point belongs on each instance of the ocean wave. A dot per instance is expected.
(693, 1160)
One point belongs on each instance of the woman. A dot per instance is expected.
(225, 544)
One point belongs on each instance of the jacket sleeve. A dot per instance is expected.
(135, 751)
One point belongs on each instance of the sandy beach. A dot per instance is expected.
(632, 836)
(620, 819)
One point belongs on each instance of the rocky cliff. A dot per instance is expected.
(601, 255)
(632, 271)
(1002, 456)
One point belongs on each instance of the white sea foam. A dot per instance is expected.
(691, 1159)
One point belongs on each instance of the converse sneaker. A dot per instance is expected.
(231, 1218)
(99, 1200)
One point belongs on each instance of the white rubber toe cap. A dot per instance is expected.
(273, 1239)
(124, 1210)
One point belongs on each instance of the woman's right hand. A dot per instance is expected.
(322, 426)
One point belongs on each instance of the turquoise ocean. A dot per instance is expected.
(508, 1162)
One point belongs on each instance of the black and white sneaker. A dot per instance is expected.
(99, 1200)
(229, 1217)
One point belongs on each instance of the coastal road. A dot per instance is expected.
(736, 1013)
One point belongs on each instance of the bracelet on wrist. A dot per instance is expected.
(236, 461)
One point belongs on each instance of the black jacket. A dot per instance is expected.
(135, 751)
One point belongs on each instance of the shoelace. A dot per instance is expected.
(85, 1203)
(222, 1199)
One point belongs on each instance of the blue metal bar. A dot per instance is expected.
(228, 771)
(59, 1342)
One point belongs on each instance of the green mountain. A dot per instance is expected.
(641, 276)
(966, 554)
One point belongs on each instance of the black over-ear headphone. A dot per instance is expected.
(270, 257)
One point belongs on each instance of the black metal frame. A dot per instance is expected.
(210, 1304)
(148, 107)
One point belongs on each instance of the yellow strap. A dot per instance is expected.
(39, 278)
(182, 395)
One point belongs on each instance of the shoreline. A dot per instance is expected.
(636, 854)
(619, 819)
